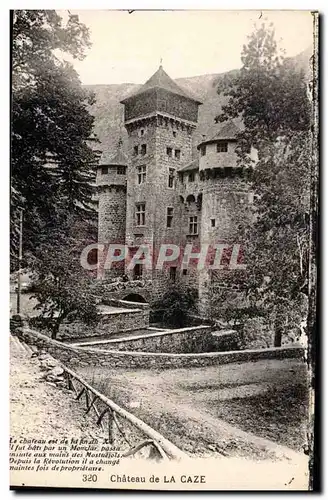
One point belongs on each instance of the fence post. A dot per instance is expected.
(111, 427)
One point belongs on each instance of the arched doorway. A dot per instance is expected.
(135, 297)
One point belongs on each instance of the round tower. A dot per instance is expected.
(111, 187)
(225, 209)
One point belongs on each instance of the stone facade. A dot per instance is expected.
(185, 199)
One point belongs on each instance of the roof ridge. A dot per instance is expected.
(160, 79)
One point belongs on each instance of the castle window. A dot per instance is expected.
(174, 133)
(171, 177)
(137, 271)
(121, 170)
(203, 150)
(169, 216)
(173, 273)
(177, 154)
(222, 147)
(212, 222)
(142, 132)
(141, 214)
(191, 177)
(193, 225)
(143, 149)
(169, 152)
(141, 174)
(135, 150)
(184, 272)
(104, 170)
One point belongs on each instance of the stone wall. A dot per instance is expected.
(189, 340)
(115, 322)
(75, 356)
(182, 340)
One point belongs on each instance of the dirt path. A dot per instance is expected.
(197, 408)
(38, 409)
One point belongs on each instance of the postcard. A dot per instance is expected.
(164, 218)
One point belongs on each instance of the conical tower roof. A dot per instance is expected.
(220, 132)
(161, 80)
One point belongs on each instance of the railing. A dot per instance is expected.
(106, 409)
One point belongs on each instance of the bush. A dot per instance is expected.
(175, 306)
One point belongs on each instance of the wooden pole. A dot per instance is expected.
(20, 258)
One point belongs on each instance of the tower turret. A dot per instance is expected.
(111, 186)
(225, 208)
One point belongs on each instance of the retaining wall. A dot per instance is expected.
(194, 339)
(183, 340)
(115, 322)
(75, 356)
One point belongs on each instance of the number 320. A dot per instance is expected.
(89, 478)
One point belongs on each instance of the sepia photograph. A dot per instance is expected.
(164, 185)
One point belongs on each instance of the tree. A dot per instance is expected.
(175, 306)
(270, 96)
(52, 162)
(61, 286)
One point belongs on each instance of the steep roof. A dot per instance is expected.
(161, 80)
(220, 132)
(194, 165)
(118, 158)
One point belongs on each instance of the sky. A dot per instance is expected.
(129, 47)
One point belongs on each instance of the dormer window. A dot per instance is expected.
(222, 147)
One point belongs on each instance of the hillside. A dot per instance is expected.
(108, 111)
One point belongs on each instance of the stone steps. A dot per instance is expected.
(22, 346)
(17, 343)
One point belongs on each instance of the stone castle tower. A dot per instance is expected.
(162, 193)
(160, 119)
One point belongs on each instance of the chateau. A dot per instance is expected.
(164, 191)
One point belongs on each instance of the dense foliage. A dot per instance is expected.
(61, 286)
(175, 306)
(271, 97)
(52, 161)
